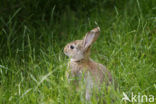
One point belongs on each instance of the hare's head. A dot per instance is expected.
(80, 49)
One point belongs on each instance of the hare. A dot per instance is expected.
(80, 62)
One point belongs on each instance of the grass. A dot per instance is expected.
(32, 63)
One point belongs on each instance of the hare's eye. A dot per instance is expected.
(71, 47)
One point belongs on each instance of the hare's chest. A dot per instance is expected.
(75, 68)
(78, 70)
(80, 73)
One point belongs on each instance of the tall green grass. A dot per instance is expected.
(32, 63)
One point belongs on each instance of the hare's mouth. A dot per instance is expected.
(75, 60)
(77, 57)
(66, 54)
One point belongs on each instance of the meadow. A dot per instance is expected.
(33, 34)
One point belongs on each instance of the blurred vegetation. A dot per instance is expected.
(34, 32)
(58, 16)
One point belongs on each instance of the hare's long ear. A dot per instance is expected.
(91, 37)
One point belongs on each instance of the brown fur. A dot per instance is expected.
(82, 63)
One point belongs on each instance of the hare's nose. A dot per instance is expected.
(65, 51)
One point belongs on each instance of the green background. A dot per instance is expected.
(33, 34)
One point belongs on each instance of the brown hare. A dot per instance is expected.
(79, 52)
